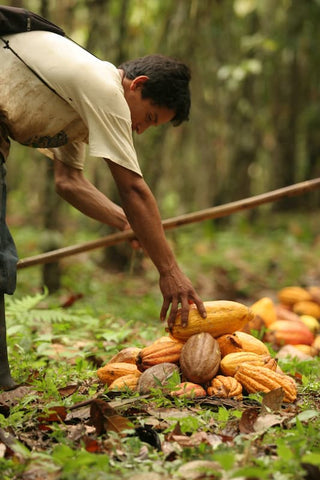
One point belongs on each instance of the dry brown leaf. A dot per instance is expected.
(248, 419)
(105, 418)
(264, 422)
(272, 400)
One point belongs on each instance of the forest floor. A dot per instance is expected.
(63, 423)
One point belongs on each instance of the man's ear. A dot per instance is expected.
(138, 82)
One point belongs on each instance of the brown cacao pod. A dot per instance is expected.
(291, 295)
(231, 362)
(156, 377)
(159, 352)
(225, 387)
(285, 332)
(266, 309)
(112, 371)
(126, 382)
(241, 342)
(127, 355)
(260, 379)
(223, 316)
(307, 308)
(189, 390)
(200, 358)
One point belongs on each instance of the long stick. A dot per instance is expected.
(170, 223)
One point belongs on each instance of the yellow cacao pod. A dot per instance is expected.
(189, 390)
(223, 316)
(307, 308)
(159, 352)
(126, 382)
(165, 338)
(310, 350)
(241, 342)
(231, 362)
(225, 387)
(291, 295)
(266, 309)
(112, 371)
(260, 379)
(127, 355)
(311, 322)
(200, 358)
(316, 343)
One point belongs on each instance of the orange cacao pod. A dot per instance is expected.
(159, 352)
(189, 390)
(231, 362)
(200, 358)
(285, 332)
(260, 379)
(307, 308)
(223, 316)
(112, 371)
(241, 342)
(125, 382)
(291, 295)
(225, 387)
(127, 355)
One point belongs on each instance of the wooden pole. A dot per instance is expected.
(170, 223)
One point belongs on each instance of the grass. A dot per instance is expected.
(56, 352)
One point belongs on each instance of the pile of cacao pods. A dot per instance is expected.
(218, 355)
(292, 320)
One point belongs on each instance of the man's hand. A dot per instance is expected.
(176, 288)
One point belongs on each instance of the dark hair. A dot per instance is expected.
(167, 85)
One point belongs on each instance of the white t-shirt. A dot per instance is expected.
(92, 109)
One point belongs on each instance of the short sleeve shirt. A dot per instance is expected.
(88, 106)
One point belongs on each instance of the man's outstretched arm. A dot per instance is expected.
(143, 215)
(73, 187)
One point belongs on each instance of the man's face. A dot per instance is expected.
(144, 113)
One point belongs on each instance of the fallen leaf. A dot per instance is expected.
(272, 400)
(105, 418)
(198, 469)
(193, 441)
(312, 471)
(266, 421)
(13, 397)
(247, 420)
(68, 390)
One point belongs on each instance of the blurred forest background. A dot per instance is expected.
(255, 118)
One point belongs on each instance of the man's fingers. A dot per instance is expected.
(164, 309)
(200, 306)
(185, 308)
(173, 313)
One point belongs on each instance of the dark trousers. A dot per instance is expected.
(8, 252)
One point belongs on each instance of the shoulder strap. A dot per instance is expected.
(7, 45)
